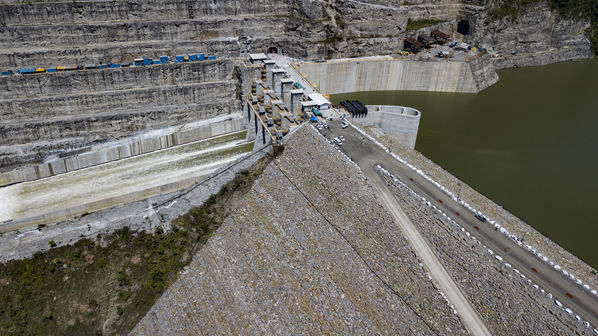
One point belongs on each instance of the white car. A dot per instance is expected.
(338, 141)
(344, 124)
(342, 138)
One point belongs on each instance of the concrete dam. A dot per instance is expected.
(100, 136)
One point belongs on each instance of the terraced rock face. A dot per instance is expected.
(59, 33)
(308, 251)
(59, 111)
(49, 113)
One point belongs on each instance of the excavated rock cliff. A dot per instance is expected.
(50, 33)
(538, 36)
(49, 113)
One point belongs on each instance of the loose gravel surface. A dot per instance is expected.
(309, 251)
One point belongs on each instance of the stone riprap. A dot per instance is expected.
(514, 225)
(507, 302)
(307, 251)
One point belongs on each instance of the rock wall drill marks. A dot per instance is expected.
(47, 113)
(21, 13)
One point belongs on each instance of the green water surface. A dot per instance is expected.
(529, 143)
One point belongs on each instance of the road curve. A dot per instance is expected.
(366, 154)
(444, 281)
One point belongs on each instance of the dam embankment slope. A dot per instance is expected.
(495, 290)
(548, 249)
(297, 264)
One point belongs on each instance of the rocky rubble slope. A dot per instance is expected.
(506, 219)
(508, 303)
(309, 251)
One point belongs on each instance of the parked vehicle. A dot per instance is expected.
(481, 218)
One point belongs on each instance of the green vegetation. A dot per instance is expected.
(414, 25)
(339, 22)
(337, 37)
(74, 290)
(571, 9)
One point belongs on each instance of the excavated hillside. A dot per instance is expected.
(51, 33)
(309, 250)
(57, 113)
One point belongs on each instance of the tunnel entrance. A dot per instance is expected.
(272, 50)
(463, 27)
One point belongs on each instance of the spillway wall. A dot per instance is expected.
(125, 148)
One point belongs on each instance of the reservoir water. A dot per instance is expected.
(529, 143)
(127, 176)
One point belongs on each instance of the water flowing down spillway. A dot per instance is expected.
(193, 160)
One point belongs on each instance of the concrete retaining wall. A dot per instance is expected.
(127, 148)
(400, 123)
(380, 74)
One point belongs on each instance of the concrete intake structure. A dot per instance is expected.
(399, 122)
